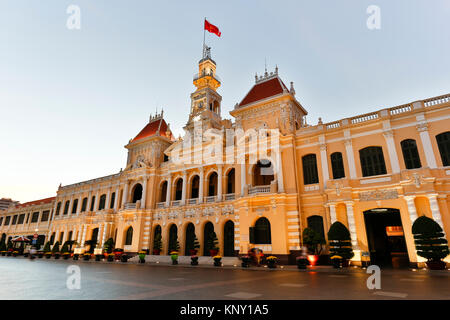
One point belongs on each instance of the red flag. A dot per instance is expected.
(212, 28)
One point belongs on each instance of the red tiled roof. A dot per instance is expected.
(152, 128)
(264, 90)
(36, 202)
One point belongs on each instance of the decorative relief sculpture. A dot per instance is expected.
(374, 195)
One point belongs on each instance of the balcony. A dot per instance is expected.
(193, 201)
(176, 203)
(210, 199)
(160, 205)
(130, 206)
(259, 189)
(229, 196)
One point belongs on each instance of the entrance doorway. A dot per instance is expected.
(386, 239)
(228, 239)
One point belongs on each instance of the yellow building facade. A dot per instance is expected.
(261, 179)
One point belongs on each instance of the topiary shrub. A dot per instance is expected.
(340, 241)
(65, 247)
(55, 248)
(3, 245)
(313, 240)
(47, 247)
(108, 246)
(429, 239)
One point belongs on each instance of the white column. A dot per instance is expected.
(83, 236)
(219, 182)
(97, 196)
(351, 224)
(324, 162)
(100, 233)
(168, 191)
(80, 231)
(243, 178)
(200, 186)
(105, 227)
(116, 199)
(350, 158)
(79, 205)
(70, 206)
(333, 217)
(435, 212)
(279, 171)
(88, 207)
(125, 194)
(392, 151)
(411, 208)
(426, 143)
(183, 193)
(144, 193)
(108, 196)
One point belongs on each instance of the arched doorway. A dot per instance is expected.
(93, 242)
(190, 239)
(230, 181)
(228, 239)
(387, 245)
(208, 233)
(173, 238)
(137, 193)
(260, 233)
(263, 173)
(129, 237)
(157, 241)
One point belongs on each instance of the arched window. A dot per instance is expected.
(102, 202)
(372, 161)
(163, 192)
(195, 184)
(74, 206)
(58, 209)
(129, 236)
(113, 199)
(173, 238)
(137, 193)
(310, 175)
(212, 184)
(92, 203)
(84, 204)
(230, 181)
(337, 165)
(410, 154)
(66, 207)
(316, 223)
(260, 233)
(69, 237)
(443, 141)
(263, 173)
(179, 189)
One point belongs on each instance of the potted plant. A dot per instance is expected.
(272, 262)
(217, 261)
(108, 246)
(194, 260)
(157, 244)
(174, 257)
(430, 242)
(55, 250)
(124, 257)
(213, 244)
(98, 257)
(9, 248)
(336, 261)
(110, 257)
(313, 241)
(86, 256)
(340, 242)
(15, 253)
(47, 250)
(302, 262)
(246, 261)
(65, 251)
(141, 256)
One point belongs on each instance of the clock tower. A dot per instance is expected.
(205, 101)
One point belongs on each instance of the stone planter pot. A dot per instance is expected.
(194, 261)
(336, 263)
(302, 263)
(86, 257)
(245, 262)
(66, 256)
(3, 254)
(271, 264)
(48, 256)
(110, 258)
(156, 252)
(98, 257)
(124, 258)
(436, 265)
(142, 259)
(40, 255)
(218, 262)
(76, 256)
(57, 255)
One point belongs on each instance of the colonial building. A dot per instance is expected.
(260, 180)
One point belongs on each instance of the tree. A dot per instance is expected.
(313, 240)
(429, 239)
(47, 247)
(213, 242)
(55, 247)
(65, 247)
(108, 246)
(157, 242)
(340, 241)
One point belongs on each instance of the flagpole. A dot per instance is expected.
(204, 33)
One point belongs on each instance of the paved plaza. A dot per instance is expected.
(22, 278)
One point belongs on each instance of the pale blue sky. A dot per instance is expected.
(70, 100)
